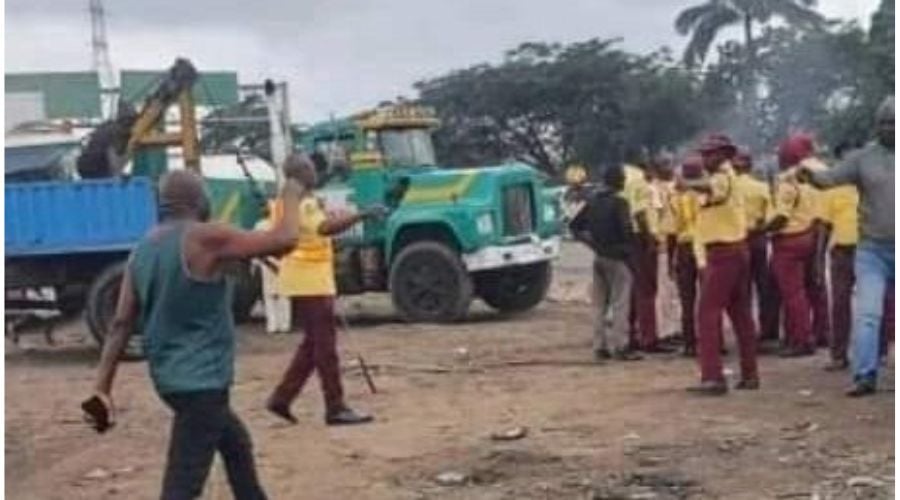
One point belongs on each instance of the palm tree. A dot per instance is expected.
(705, 21)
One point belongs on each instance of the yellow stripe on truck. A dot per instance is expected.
(434, 194)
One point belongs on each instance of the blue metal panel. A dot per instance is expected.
(44, 218)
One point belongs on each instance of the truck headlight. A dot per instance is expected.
(485, 224)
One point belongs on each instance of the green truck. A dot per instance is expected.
(452, 234)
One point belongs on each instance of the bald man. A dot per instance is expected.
(174, 291)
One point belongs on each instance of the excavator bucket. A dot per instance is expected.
(110, 146)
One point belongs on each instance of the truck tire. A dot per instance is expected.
(100, 309)
(429, 283)
(514, 289)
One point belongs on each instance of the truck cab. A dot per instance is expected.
(452, 234)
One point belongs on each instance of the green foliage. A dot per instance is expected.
(551, 105)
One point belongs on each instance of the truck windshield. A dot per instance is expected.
(407, 147)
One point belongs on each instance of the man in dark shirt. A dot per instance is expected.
(604, 225)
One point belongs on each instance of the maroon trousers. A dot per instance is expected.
(725, 288)
(842, 281)
(768, 301)
(686, 277)
(790, 263)
(318, 352)
(645, 266)
(818, 301)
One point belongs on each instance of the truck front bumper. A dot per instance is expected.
(495, 257)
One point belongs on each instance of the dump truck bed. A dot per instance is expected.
(73, 217)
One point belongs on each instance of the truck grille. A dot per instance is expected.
(518, 210)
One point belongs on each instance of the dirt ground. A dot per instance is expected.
(593, 431)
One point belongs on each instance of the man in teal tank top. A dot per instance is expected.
(175, 292)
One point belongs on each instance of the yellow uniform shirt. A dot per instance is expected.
(665, 191)
(722, 217)
(757, 200)
(794, 201)
(841, 213)
(686, 206)
(309, 269)
(639, 195)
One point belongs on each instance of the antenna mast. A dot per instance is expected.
(101, 63)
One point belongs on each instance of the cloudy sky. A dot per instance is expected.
(337, 55)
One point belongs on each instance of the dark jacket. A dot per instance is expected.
(606, 221)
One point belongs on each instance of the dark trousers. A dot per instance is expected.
(842, 281)
(686, 279)
(645, 266)
(790, 263)
(317, 352)
(818, 302)
(768, 301)
(725, 288)
(204, 423)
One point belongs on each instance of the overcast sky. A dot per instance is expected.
(337, 55)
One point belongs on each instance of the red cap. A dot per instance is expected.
(692, 167)
(795, 149)
(717, 142)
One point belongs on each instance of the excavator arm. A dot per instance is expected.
(114, 142)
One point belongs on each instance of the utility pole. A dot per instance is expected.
(101, 63)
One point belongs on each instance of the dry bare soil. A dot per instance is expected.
(593, 431)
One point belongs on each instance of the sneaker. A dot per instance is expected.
(709, 388)
(346, 416)
(282, 411)
(747, 385)
(861, 388)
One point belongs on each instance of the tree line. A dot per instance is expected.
(591, 102)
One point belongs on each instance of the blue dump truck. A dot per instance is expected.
(73, 238)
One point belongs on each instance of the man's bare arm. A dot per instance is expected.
(223, 243)
(337, 224)
(120, 331)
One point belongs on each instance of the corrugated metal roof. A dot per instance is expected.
(213, 88)
(66, 94)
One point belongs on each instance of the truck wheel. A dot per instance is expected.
(247, 291)
(514, 289)
(100, 309)
(428, 282)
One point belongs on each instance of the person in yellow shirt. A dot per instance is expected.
(725, 282)
(306, 275)
(758, 206)
(685, 205)
(645, 261)
(793, 248)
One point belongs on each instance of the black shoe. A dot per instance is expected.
(709, 388)
(346, 416)
(836, 365)
(601, 355)
(282, 411)
(627, 355)
(689, 351)
(747, 385)
(797, 352)
(861, 389)
(658, 349)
